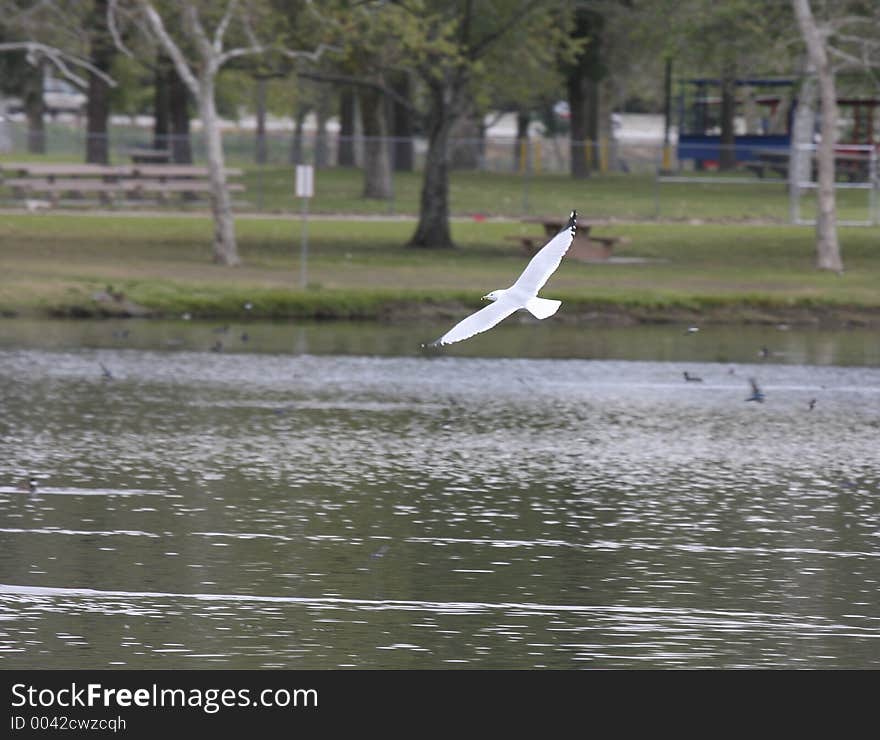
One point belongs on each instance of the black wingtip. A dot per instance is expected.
(572, 221)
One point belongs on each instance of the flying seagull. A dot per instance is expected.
(522, 294)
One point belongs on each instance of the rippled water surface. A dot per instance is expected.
(296, 501)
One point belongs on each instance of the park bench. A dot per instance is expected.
(586, 246)
(110, 183)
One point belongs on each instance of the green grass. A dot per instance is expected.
(269, 189)
(53, 264)
(612, 196)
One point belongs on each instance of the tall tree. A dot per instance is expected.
(102, 51)
(347, 112)
(827, 245)
(377, 161)
(196, 35)
(582, 76)
(35, 108)
(844, 37)
(452, 44)
(402, 122)
(53, 35)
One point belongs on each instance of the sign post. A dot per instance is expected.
(305, 189)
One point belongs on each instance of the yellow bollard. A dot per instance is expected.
(588, 154)
(667, 158)
(603, 155)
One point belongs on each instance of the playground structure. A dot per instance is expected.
(765, 114)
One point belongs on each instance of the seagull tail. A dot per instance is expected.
(542, 308)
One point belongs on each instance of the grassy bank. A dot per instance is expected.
(631, 196)
(62, 264)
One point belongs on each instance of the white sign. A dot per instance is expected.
(305, 181)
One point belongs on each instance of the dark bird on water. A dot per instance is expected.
(757, 393)
(691, 378)
(105, 373)
(29, 485)
(812, 404)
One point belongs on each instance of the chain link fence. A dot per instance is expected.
(491, 176)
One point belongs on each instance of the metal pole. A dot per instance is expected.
(873, 215)
(304, 252)
(658, 171)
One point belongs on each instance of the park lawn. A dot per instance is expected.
(617, 196)
(54, 264)
(611, 196)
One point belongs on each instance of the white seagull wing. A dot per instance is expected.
(545, 262)
(482, 320)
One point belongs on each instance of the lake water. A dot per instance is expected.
(327, 495)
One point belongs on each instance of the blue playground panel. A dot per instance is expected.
(747, 148)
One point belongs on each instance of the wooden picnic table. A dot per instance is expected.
(63, 169)
(107, 181)
(585, 246)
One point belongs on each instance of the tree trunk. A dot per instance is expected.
(34, 109)
(98, 105)
(594, 126)
(178, 111)
(5, 136)
(521, 143)
(578, 139)
(260, 154)
(345, 146)
(377, 170)
(727, 144)
(321, 148)
(827, 246)
(225, 249)
(161, 118)
(433, 227)
(465, 144)
(296, 144)
(801, 169)
(402, 158)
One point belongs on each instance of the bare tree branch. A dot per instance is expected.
(171, 48)
(220, 31)
(60, 59)
(112, 11)
(363, 82)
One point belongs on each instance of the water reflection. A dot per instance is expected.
(252, 509)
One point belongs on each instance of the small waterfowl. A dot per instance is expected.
(691, 378)
(29, 485)
(757, 393)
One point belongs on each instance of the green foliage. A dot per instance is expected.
(133, 93)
